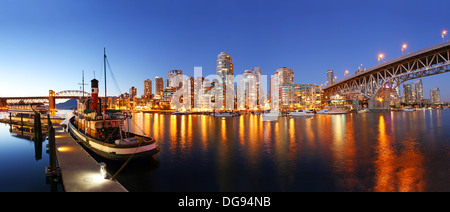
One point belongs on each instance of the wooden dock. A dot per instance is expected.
(79, 171)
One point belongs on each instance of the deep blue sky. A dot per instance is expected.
(45, 44)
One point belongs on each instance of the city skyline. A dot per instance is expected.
(146, 40)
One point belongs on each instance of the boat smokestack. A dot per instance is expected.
(94, 95)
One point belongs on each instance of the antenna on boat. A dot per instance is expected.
(82, 81)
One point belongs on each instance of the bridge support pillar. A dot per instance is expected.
(378, 106)
(3, 104)
(51, 101)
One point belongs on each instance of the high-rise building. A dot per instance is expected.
(413, 92)
(174, 79)
(284, 80)
(310, 95)
(330, 77)
(159, 87)
(287, 96)
(247, 91)
(417, 91)
(133, 93)
(147, 89)
(225, 70)
(435, 96)
(407, 93)
(198, 84)
(285, 76)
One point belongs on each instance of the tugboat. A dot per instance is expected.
(102, 131)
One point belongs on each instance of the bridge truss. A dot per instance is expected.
(381, 80)
(68, 94)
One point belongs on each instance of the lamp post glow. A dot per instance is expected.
(404, 47)
(380, 56)
(103, 171)
(444, 33)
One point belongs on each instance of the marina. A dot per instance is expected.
(288, 152)
(209, 96)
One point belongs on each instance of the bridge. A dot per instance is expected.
(50, 99)
(377, 83)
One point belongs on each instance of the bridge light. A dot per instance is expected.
(380, 56)
(404, 47)
(444, 32)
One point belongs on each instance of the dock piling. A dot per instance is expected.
(52, 149)
(37, 127)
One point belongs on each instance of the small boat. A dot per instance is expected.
(224, 114)
(323, 111)
(302, 113)
(271, 115)
(408, 109)
(337, 110)
(180, 113)
(363, 110)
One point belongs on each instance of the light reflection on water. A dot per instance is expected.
(396, 151)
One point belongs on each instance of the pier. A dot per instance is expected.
(79, 171)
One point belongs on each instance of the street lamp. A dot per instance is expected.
(444, 32)
(346, 72)
(380, 56)
(404, 47)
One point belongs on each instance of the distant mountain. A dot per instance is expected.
(69, 105)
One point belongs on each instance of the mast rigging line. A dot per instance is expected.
(113, 77)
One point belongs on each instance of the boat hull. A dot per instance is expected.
(295, 114)
(113, 152)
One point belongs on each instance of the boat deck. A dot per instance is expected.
(79, 171)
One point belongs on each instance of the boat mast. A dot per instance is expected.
(106, 99)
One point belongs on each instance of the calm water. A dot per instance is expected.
(22, 162)
(396, 151)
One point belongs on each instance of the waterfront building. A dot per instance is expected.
(225, 87)
(274, 93)
(407, 93)
(247, 92)
(308, 95)
(166, 100)
(417, 91)
(206, 95)
(285, 76)
(435, 96)
(147, 89)
(174, 79)
(159, 87)
(287, 96)
(133, 93)
(284, 84)
(124, 101)
(330, 77)
(198, 84)
(188, 94)
(413, 92)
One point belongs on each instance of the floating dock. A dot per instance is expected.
(79, 171)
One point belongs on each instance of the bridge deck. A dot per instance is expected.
(391, 62)
(79, 171)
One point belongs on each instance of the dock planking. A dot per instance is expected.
(79, 171)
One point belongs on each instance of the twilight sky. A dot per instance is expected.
(46, 44)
